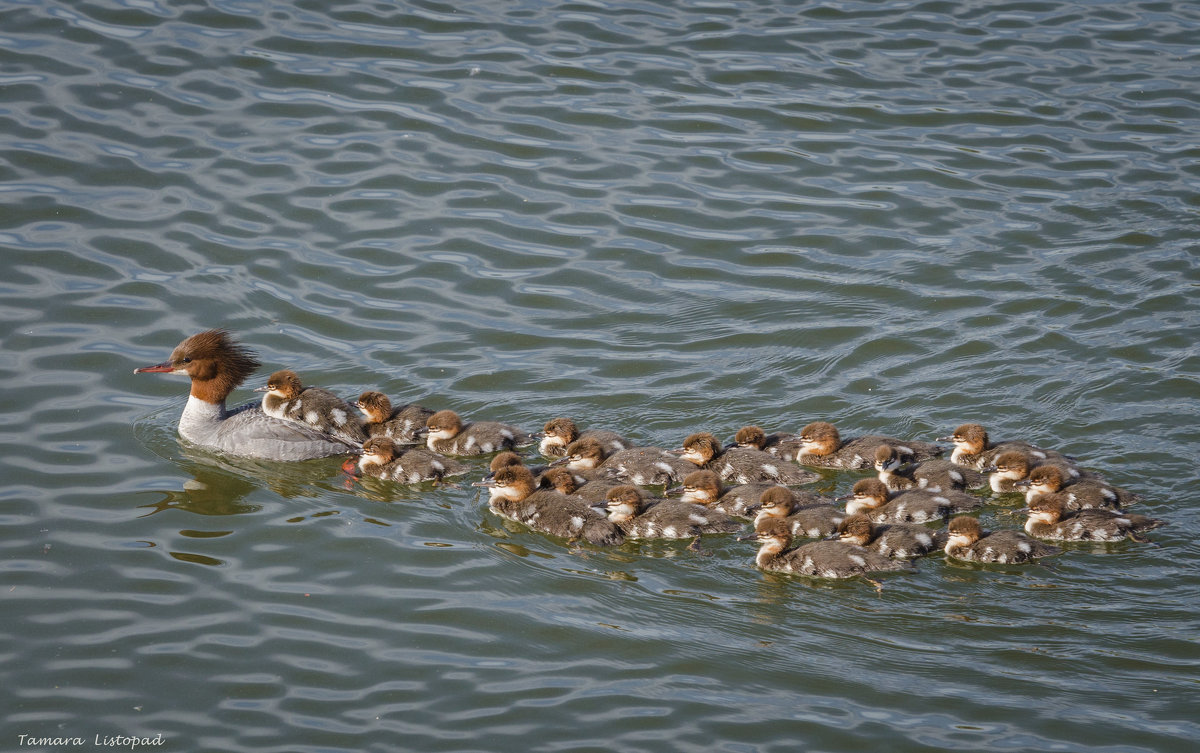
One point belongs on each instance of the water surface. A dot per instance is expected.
(654, 217)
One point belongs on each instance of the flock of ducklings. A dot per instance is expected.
(596, 485)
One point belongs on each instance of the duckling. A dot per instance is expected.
(821, 559)
(404, 424)
(805, 513)
(560, 432)
(934, 475)
(1010, 468)
(593, 491)
(897, 540)
(1050, 519)
(822, 446)
(966, 540)
(973, 448)
(1081, 494)
(780, 444)
(741, 465)
(382, 458)
(643, 466)
(629, 508)
(450, 436)
(289, 399)
(514, 495)
(704, 487)
(871, 497)
(507, 458)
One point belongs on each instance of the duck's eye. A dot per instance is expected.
(187, 359)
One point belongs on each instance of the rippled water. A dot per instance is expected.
(656, 217)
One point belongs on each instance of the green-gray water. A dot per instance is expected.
(653, 217)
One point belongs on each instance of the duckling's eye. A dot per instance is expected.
(187, 359)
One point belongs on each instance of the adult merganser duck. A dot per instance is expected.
(217, 364)
(289, 399)
(934, 475)
(382, 458)
(404, 424)
(897, 540)
(560, 432)
(966, 540)
(1050, 519)
(450, 436)
(805, 513)
(822, 446)
(742, 465)
(514, 495)
(822, 559)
